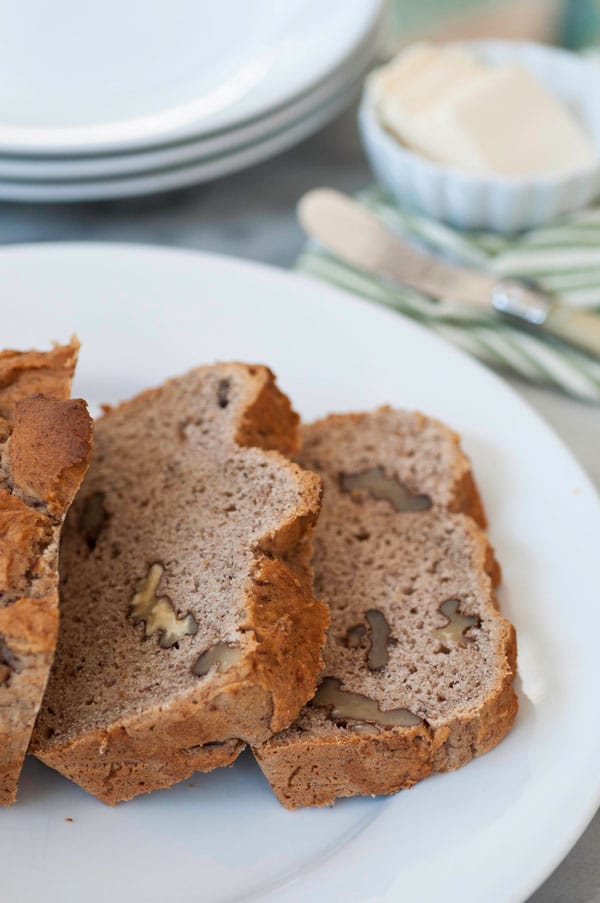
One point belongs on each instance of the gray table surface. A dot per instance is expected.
(251, 214)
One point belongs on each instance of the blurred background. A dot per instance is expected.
(572, 23)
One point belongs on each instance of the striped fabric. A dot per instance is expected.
(563, 258)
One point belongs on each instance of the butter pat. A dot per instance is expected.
(491, 120)
(513, 126)
(420, 80)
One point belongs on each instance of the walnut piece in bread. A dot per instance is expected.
(158, 613)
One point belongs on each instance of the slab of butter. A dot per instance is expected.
(419, 79)
(491, 120)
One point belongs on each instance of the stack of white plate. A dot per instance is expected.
(115, 99)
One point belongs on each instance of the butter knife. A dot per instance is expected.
(356, 235)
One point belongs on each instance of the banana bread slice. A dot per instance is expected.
(45, 446)
(419, 663)
(189, 622)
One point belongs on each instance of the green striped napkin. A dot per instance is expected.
(563, 258)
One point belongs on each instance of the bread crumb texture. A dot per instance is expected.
(419, 662)
(189, 626)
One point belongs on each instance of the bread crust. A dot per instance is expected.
(465, 497)
(25, 373)
(46, 450)
(49, 450)
(113, 779)
(315, 771)
(307, 769)
(284, 630)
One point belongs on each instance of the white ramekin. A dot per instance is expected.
(501, 204)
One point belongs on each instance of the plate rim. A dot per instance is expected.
(159, 160)
(31, 141)
(344, 72)
(195, 172)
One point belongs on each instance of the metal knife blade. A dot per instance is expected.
(359, 237)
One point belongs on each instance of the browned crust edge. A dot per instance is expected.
(116, 780)
(49, 451)
(42, 428)
(248, 702)
(24, 373)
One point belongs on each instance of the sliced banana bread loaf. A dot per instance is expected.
(45, 446)
(419, 663)
(188, 617)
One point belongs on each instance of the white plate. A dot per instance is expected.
(192, 173)
(81, 78)
(489, 832)
(135, 163)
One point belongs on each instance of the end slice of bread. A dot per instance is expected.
(189, 624)
(419, 662)
(45, 447)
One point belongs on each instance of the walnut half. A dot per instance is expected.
(219, 656)
(158, 612)
(354, 706)
(453, 631)
(378, 638)
(381, 487)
